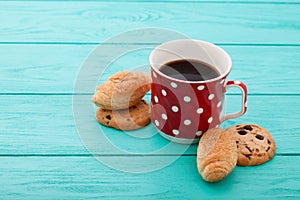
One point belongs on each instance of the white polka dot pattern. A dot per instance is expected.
(156, 99)
(200, 110)
(200, 87)
(164, 116)
(198, 133)
(175, 132)
(187, 99)
(180, 111)
(187, 122)
(175, 108)
(211, 96)
(174, 85)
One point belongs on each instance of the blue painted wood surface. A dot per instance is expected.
(43, 45)
(58, 65)
(94, 22)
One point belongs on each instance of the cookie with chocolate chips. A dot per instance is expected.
(135, 117)
(255, 144)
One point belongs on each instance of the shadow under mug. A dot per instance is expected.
(182, 110)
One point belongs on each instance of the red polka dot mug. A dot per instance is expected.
(181, 109)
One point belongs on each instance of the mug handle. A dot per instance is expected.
(243, 88)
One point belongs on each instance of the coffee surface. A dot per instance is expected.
(189, 70)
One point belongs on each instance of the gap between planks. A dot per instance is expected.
(89, 94)
(141, 43)
(118, 155)
(167, 1)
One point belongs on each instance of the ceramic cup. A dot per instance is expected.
(182, 110)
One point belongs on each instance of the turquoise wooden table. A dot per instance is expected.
(43, 46)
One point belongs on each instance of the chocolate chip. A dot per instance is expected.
(248, 156)
(144, 101)
(260, 137)
(268, 148)
(237, 125)
(257, 150)
(269, 142)
(248, 127)
(237, 142)
(108, 117)
(133, 106)
(242, 132)
(249, 149)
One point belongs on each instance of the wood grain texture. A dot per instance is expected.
(84, 177)
(44, 124)
(54, 68)
(181, 1)
(97, 21)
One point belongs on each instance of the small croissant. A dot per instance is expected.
(122, 90)
(216, 154)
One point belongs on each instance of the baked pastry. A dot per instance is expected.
(135, 117)
(216, 154)
(122, 90)
(255, 144)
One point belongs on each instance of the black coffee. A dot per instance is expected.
(190, 70)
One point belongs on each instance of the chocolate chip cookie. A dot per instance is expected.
(132, 118)
(255, 144)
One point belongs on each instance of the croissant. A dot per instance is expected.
(122, 90)
(216, 154)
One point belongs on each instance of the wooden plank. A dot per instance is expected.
(44, 124)
(84, 177)
(265, 69)
(183, 1)
(98, 21)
